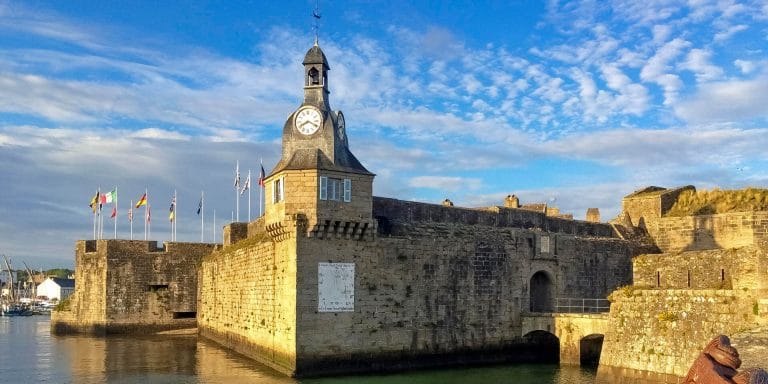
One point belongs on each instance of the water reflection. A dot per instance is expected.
(29, 354)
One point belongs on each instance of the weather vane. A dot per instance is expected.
(316, 15)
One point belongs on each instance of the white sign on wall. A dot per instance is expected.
(545, 244)
(335, 287)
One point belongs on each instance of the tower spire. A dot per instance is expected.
(316, 27)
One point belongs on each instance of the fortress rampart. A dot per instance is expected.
(436, 285)
(126, 286)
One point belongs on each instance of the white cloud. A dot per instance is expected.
(659, 66)
(745, 66)
(729, 101)
(445, 183)
(729, 32)
(698, 61)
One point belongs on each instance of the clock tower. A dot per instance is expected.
(318, 182)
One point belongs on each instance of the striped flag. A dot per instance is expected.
(172, 214)
(237, 175)
(142, 201)
(94, 202)
(109, 197)
(247, 184)
(261, 176)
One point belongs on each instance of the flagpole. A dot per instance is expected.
(261, 184)
(237, 184)
(249, 195)
(175, 213)
(95, 208)
(131, 218)
(115, 211)
(202, 215)
(146, 205)
(101, 218)
(214, 225)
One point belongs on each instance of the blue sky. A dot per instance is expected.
(573, 103)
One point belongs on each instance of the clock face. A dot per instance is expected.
(341, 125)
(308, 120)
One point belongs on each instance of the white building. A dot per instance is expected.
(56, 288)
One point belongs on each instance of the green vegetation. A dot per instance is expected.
(625, 290)
(22, 275)
(720, 201)
(667, 316)
(63, 305)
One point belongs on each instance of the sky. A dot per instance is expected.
(571, 103)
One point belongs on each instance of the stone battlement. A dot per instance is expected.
(132, 285)
(389, 211)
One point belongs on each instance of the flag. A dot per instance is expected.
(200, 206)
(142, 201)
(130, 214)
(114, 212)
(94, 202)
(149, 214)
(172, 213)
(247, 184)
(109, 197)
(237, 175)
(261, 176)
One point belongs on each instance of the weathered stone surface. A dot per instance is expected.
(129, 286)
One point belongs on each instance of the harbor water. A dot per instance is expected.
(30, 354)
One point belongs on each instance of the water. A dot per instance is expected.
(30, 354)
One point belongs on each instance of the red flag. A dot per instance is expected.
(114, 212)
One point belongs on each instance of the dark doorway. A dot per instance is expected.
(589, 350)
(542, 347)
(541, 293)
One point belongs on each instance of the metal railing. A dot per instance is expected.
(581, 305)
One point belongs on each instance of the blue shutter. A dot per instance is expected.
(347, 190)
(323, 188)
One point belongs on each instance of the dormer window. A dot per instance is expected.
(314, 76)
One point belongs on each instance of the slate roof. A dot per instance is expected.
(315, 55)
(64, 283)
(312, 158)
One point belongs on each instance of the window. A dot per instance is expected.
(277, 190)
(331, 189)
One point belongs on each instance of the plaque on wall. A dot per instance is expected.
(335, 287)
(545, 244)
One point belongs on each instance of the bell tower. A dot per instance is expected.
(316, 77)
(318, 181)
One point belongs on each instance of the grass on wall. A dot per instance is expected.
(716, 201)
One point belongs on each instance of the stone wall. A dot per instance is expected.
(435, 285)
(129, 286)
(742, 268)
(303, 198)
(663, 331)
(429, 293)
(727, 230)
(647, 206)
(391, 210)
(247, 300)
